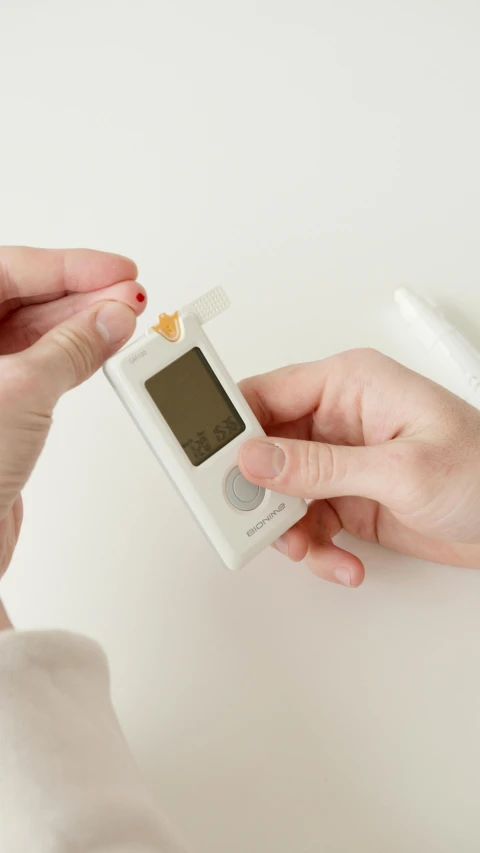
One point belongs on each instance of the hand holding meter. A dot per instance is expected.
(195, 419)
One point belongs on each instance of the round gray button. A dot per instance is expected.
(244, 490)
(242, 494)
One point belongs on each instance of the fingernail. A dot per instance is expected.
(281, 544)
(115, 322)
(263, 460)
(342, 576)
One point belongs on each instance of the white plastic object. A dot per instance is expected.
(436, 333)
(237, 535)
(208, 306)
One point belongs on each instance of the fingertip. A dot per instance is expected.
(123, 267)
(135, 296)
(261, 460)
(140, 299)
(128, 262)
(348, 576)
(241, 460)
(335, 565)
(357, 575)
(130, 293)
(115, 322)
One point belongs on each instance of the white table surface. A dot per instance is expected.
(310, 156)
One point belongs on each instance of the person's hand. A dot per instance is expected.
(62, 313)
(381, 452)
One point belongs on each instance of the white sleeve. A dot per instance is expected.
(68, 781)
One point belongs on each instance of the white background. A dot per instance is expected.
(310, 156)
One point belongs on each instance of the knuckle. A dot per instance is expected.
(362, 357)
(357, 366)
(76, 350)
(357, 353)
(316, 467)
(23, 406)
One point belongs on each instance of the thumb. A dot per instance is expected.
(310, 469)
(73, 351)
(32, 381)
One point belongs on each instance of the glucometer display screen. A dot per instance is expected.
(195, 406)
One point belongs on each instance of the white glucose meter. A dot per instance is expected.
(193, 416)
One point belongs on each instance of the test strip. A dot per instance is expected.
(206, 307)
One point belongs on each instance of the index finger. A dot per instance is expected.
(356, 397)
(28, 274)
(287, 394)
